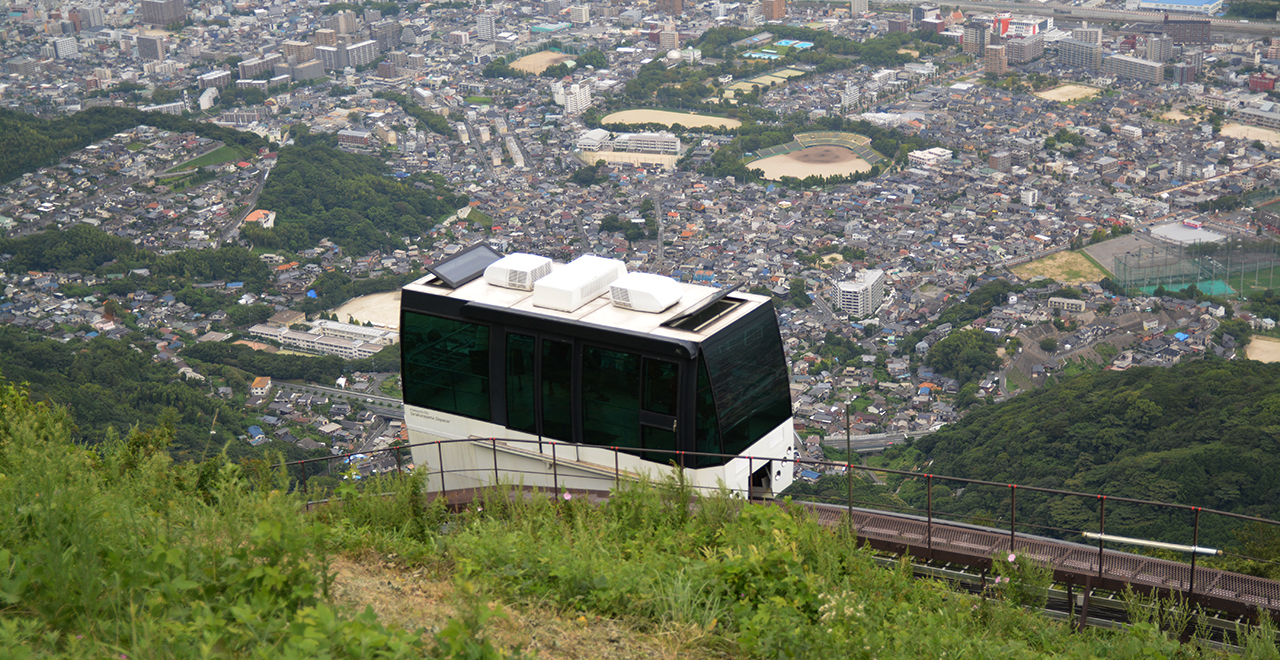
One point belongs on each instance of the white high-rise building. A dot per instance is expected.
(580, 15)
(64, 47)
(859, 6)
(851, 95)
(575, 98)
(863, 296)
(1030, 197)
(485, 27)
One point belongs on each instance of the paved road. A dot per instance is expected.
(870, 443)
(376, 400)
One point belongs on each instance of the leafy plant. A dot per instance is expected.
(1021, 581)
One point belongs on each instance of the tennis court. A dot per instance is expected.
(1210, 287)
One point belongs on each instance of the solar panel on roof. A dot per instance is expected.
(464, 266)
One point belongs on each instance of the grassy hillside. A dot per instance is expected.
(1205, 433)
(118, 552)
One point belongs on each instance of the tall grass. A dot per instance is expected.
(118, 552)
(750, 581)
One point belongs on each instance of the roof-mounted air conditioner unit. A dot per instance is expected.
(645, 292)
(517, 271)
(577, 283)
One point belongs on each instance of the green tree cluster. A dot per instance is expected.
(589, 175)
(1265, 304)
(1200, 433)
(1223, 203)
(966, 355)
(334, 288)
(834, 489)
(1063, 136)
(839, 349)
(107, 387)
(798, 295)
(1259, 10)
(979, 302)
(88, 250)
(320, 192)
(435, 123)
(499, 68)
(634, 231)
(595, 58)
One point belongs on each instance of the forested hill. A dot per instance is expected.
(28, 143)
(352, 199)
(1205, 433)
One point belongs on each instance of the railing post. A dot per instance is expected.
(617, 471)
(750, 473)
(440, 454)
(1102, 529)
(399, 466)
(1084, 607)
(929, 514)
(1195, 543)
(494, 442)
(1013, 515)
(555, 469)
(848, 479)
(304, 479)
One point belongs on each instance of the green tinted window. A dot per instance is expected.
(521, 410)
(446, 365)
(749, 377)
(660, 387)
(656, 438)
(610, 397)
(706, 426)
(557, 390)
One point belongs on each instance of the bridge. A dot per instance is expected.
(924, 535)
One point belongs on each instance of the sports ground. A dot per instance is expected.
(822, 153)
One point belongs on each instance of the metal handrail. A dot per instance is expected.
(784, 459)
(1078, 571)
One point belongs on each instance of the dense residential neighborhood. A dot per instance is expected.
(443, 95)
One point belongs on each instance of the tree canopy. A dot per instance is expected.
(88, 250)
(109, 387)
(966, 355)
(1202, 433)
(320, 192)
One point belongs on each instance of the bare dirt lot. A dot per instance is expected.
(1106, 252)
(1251, 133)
(381, 309)
(1068, 93)
(667, 117)
(1174, 115)
(422, 598)
(1263, 349)
(1064, 267)
(540, 61)
(823, 160)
